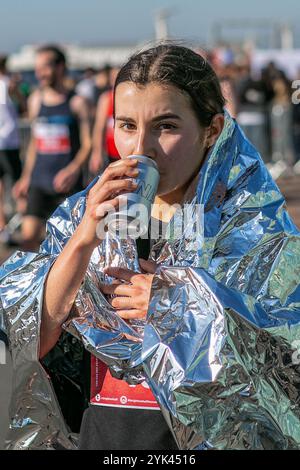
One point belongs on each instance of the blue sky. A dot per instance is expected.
(115, 21)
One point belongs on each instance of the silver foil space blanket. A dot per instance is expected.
(219, 347)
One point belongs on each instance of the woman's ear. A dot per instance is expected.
(215, 129)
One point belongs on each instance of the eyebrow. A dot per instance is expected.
(157, 118)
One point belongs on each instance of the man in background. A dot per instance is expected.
(10, 163)
(59, 145)
(104, 149)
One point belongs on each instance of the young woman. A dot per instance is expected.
(168, 106)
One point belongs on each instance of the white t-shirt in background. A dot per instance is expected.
(9, 136)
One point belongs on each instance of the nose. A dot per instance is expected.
(145, 144)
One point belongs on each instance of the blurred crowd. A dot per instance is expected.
(263, 106)
(56, 131)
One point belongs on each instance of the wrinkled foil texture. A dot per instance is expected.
(219, 345)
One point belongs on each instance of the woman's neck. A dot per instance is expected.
(174, 197)
(163, 207)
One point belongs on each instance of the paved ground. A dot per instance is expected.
(291, 190)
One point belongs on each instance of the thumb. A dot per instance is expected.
(148, 266)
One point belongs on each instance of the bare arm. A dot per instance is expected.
(230, 96)
(61, 287)
(21, 187)
(65, 276)
(30, 158)
(34, 103)
(97, 158)
(80, 107)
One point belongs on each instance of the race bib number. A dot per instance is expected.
(108, 391)
(52, 138)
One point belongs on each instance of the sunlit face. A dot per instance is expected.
(46, 71)
(158, 121)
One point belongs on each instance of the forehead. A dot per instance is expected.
(153, 97)
(46, 57)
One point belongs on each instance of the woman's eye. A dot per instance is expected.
(166, 126)
(127, 126)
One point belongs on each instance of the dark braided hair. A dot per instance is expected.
(183, 68)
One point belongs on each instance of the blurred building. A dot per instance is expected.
(79, 57)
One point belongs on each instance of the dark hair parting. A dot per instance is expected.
(181, 67)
